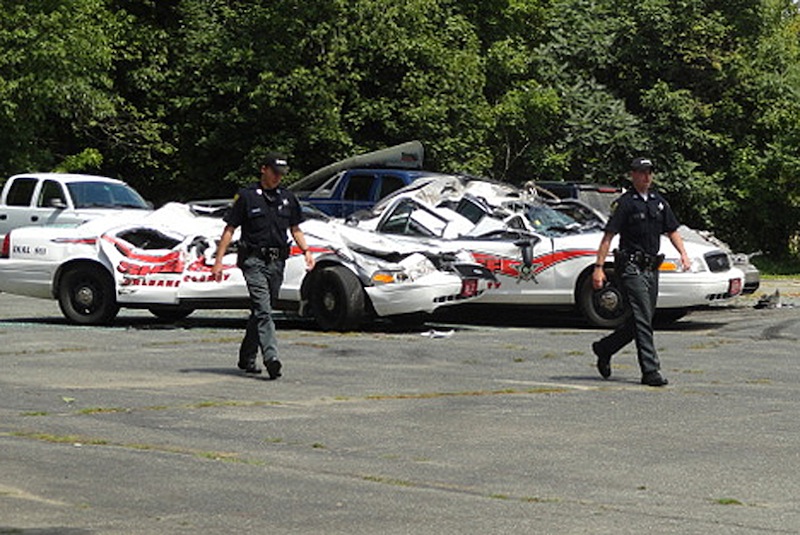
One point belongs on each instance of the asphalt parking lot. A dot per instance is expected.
(487, 426)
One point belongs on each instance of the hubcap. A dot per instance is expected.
(608, 303)
(85, 296)
(329, 301)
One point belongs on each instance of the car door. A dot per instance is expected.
(521, 264)
(345, 193)
(53, 206)
(17, 209)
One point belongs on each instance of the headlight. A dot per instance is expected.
(673, 265)
(410, 269)
(388, 277)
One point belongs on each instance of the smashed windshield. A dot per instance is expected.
(550, 222)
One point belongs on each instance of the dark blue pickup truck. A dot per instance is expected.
(359, 182)
(357, 189)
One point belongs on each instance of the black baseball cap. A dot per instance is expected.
(277, 162)
(642, 164)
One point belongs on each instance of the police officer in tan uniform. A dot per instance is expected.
(640, 216)
(265, 211)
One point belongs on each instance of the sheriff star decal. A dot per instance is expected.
(511, 267)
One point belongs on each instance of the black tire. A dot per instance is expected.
(337, 299)
(604, 308)
(170, 314)
(86, 295)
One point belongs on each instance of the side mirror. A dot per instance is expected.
(56, 202)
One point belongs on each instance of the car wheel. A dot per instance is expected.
(86, 295)
(337, 299)
(170, 314)
(604, 308)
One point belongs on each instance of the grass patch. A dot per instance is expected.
(61, 439)
(537, 499)
(777, 268)
(315, 345)
(711, 344)
(102, 410)
(728, 501)
(190, 406)
(502, 392)
(759, 381)
(89, 441)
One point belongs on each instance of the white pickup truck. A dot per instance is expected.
(63, 199)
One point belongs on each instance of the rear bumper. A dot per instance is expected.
(683, 290)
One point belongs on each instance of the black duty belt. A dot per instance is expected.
(270, 254)
(642, 260)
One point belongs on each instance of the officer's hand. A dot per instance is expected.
(598, 278)
(310, 262)
(216, 271)
(686, 262)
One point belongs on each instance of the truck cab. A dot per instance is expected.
(357, 189)
(358, 182)
(64, 199)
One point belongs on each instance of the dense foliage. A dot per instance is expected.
(178, 97)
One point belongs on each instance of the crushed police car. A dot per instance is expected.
(541, 256)
(162, 262)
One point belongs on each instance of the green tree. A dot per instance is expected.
(596, 130)
(54, 63)
(333, 79)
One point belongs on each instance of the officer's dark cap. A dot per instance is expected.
(642, 164)
(277, 161)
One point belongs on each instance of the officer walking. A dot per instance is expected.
(640, 217)
(265, 211)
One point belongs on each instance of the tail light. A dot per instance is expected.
(469, 288)
(6, 249)
(734, 287)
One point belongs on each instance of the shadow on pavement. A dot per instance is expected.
(472, 316)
